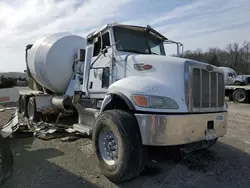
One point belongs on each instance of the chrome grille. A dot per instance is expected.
(207, 89)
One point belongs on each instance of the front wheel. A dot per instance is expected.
(240, 96)
(211, 143)
(117, 145)
(6, 162)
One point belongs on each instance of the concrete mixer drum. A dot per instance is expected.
(50, 60)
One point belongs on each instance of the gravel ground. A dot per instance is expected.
(56, 164)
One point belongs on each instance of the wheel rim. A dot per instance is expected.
(240, 96)
(30, 110)
(108, 146)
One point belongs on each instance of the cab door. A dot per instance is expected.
(100, 72)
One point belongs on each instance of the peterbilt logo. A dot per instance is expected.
(209, 68)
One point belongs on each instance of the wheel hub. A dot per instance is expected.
(108, 146)
(240, 96)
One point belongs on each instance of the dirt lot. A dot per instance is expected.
(56, 164)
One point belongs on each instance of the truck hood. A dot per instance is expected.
(165, 78)
(165, 69)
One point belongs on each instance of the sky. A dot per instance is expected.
(195, 23)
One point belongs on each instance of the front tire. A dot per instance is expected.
(117, 145)
(6, 165)
(211, 143)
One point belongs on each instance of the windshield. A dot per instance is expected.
(137, 42)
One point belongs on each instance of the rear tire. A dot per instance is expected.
(130, 154)
(19, 105)
(6, 166)
(23, 105)
(33, 114)
(240, 96)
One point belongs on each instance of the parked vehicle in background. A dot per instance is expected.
(229, 75)
(238, 93)
(237, 87)
(232, 78)
(6, 82)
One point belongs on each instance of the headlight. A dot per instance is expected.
(146, 101)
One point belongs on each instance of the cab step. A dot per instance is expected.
(85, 129)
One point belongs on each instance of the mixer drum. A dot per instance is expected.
(50, 60)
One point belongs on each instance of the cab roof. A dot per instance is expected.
(94, 33)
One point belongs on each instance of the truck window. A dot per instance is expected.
(97, 45)
(136, 41)
(230, 74)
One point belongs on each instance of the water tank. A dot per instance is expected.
(51, 58)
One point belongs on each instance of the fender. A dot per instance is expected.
(146, 85)
(109, 97)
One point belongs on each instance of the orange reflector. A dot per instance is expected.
(141, 100)
(147, 67)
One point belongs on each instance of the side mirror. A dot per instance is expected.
(179, 47)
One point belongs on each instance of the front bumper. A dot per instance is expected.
(167, 130)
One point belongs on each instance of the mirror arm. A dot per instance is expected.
(102, 53)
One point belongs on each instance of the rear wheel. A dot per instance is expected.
(33, 114)
(23, 105)
(6, 162)
(240, 96)
(118, 146)
(19, 105)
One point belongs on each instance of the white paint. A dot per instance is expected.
(50, 60)
(228, 79)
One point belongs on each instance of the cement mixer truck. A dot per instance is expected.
(128, 94)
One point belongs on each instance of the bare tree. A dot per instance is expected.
(234, 55)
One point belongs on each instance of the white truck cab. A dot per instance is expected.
(154, 83)
(229, 75)
(128, 94)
